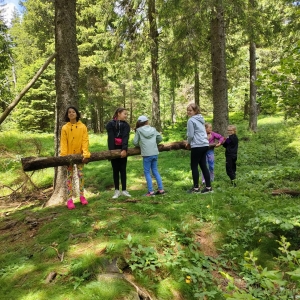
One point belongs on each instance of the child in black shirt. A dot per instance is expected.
(231, 145)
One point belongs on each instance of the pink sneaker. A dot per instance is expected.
(70, 204)
(83, 200)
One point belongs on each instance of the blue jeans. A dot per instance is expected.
(150, 163)
(210, 159)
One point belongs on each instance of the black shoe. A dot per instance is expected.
(206, 190)
(233, 183)
(194, 190)
(160, 192)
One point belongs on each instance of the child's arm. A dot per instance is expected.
(226, 142)
(232, 140)
(218, 137)
(136, 139)
(190, 131)
(110, 136)
(158, 137)
(125, 137)
(85, 144)
(63, 143)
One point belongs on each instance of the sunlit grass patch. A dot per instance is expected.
(108, 288)
(34, 295)
(169, 289)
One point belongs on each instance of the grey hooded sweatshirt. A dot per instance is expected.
(147, 138)
(196, 133)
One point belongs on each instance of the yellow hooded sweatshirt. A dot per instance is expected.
(74, 139)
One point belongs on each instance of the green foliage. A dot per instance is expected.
(163, 239)
(176, 252)
(5, 63)
(36, 110)
(115, 69)
(269, 284)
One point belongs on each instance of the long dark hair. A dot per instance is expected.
(139, 124)
(77, 114)
(118, 110)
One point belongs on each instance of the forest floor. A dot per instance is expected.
(235, 243)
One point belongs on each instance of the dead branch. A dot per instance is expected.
(51, 276)
(12, 105)
(9, 225)
(59, 256)
(142, 294)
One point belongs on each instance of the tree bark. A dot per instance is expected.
(37, 163)
(252, 57)
(285, 192)
(14, 103)
(219, 72)
(196, 85)
(253, 105)
(66, 82)
(156, 122)
(173, 104)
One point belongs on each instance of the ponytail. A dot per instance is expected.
(118, 110)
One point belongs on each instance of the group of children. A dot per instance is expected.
(201, 140)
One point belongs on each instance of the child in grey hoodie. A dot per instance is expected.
(147, 138)
(198, 143)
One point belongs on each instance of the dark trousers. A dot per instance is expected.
(198, 157)
(119, 169)
(231, 166)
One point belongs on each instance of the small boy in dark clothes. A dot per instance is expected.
(231, 145)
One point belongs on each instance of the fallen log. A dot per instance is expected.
(37, 163)
(285, 192)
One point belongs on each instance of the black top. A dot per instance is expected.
(231, 144)
(117, 129)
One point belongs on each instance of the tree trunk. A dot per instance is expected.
(253, 105)
(173, 110)
(252, 7)
(92, 102)
(252, 58)
(101, 114)
(156, 122)
(196, 86)
(66, 81)
(37, 163)
(131, 105)
(123, 86)
(219, 76)
(12, 105)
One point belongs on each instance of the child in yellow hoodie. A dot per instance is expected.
(74, 140)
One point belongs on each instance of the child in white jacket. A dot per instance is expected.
(147, 138)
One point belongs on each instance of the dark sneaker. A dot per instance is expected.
(194, 190)
(206, 190)
(233, 183)
(160, 192)
(150, 194)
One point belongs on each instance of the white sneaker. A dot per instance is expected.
(125, 193)
(116, 194)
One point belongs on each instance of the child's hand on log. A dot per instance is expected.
(187, 146)
(85, 160)
(123, 153)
